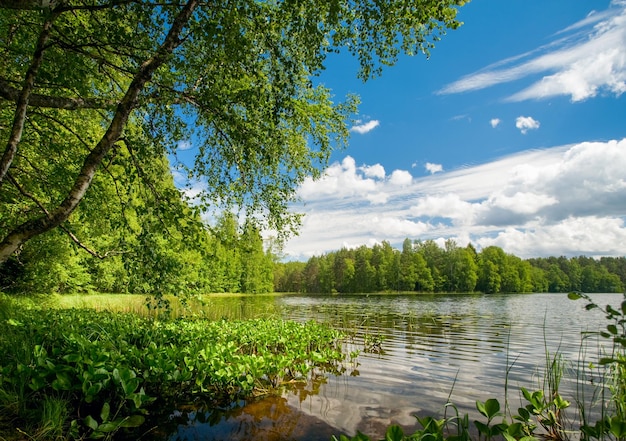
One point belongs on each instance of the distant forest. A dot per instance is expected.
(188, 257)
(423, 266)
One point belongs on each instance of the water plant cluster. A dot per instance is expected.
(77, 373)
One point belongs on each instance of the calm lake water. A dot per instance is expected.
(431, 347)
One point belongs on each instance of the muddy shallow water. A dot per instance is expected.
(415, 352)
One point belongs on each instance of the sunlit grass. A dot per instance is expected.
(208, 306)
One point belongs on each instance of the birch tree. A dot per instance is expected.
(82, 80)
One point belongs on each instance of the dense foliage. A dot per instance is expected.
(79, 373)
(148, 256)
(423, 266)
(96, 92)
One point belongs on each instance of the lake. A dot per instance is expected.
(415, 352)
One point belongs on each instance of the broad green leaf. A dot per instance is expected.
(91, 422)
(482, 428)
(492, 407)
(104, 413)
(133, 421)
(394, 433)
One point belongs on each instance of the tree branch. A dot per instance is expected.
(77, 241)
(28, 4)
(26, 194)
(23, 98)
(10, 93)
(33, 227)
(62, 227)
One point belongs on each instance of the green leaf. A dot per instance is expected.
(130, 385)
(514, 430)
(109, 427)
(618, 427)
(92, 392)
(91, 422)
(526, 394)
(394, 433)
(574, 296)
(62, 382)
(524, 414)
(72, 358)
(612, 329)
(482, 428)
(133, 421)
(104, 413)
(492, 407)
(489, 408)
(499, 429)
(561, 403)
(606, 360)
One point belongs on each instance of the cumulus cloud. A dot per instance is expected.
(400, 177)
(374, 171)
(365, 127)
(340, 180)
(526, 123)
(585, 59)
(495, 122)
(433, 168)
(536, 203)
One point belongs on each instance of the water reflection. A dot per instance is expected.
(271, 418)
(416, 352)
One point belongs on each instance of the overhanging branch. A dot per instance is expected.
(10, 93)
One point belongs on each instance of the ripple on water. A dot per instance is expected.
(432, 348)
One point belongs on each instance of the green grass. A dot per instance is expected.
(209, 306)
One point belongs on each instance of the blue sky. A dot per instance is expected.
(512, 133)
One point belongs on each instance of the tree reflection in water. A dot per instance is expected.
(269, 418)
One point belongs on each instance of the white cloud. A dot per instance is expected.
(526, 123)
(588, 57)
(184, 145)
(448, 205)
(374, 171)
(433, 168)
(495, 122)
(400, 178)
(588, 236)
(567, 200)
(365, 127)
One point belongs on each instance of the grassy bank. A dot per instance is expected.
(88, 372)
(209, 306)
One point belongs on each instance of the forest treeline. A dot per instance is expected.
(141, 238)
(231, 258)
(174, 252)
(424, 266)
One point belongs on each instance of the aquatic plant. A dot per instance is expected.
(98, 373)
